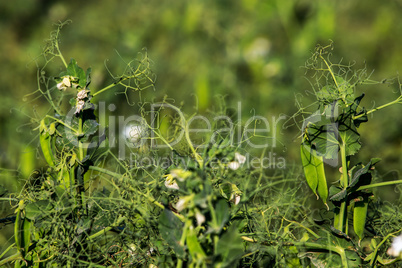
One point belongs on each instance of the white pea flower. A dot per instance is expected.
(234, 165)
(82, 94)
(240, 158)
(184, 202)
(170, 183)
(235, 196)
(80, 106)
(236, 199)
(396, 247)
(199, 217)
(64, 84)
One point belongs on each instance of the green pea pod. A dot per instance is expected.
(26, 234)
(17, 227)
(313, 167)
(46, 144)
(359, 217)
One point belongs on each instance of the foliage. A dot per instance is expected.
(205, 207)
(333, 130)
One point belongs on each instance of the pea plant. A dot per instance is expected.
(90, 208)
(331, 133)
(205, 205)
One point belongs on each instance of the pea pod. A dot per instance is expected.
(17, 227)
(313, 167)
(26, 234)
(359, 216)
(46, 144)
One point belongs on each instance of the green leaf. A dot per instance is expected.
(97, 148)
(348, 129)
(323, 138)
(230, 247)
(363, 175)
(222, 214)
(351, 138)
(342, 90)
(171, 229)
(37, 209)
(75, 71)
(90, 127)
(337, 194)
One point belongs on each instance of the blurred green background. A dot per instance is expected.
(203, 52)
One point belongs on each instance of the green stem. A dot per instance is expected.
(61, 122)
(104, 89)
(398, 100)
(103, 231)
(50, 99)
(330, 71)
(10, 247)
(9, 199)
(150, 199)
(81, 150)
(379, 245)
(344, 182)
(197, 157)
(60, 55)
(336, 249)
(14, 257)
(182, 241)
(105, 171)
(379, 184)
(112, 85)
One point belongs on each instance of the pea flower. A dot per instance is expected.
(170, 182)
(199, 217)
(396, 247)
(184, 202)
(235, 195)
(80, 105)
(65, 83)
(82, 94)
(239, 160)
(234, 165)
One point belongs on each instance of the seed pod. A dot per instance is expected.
(45, 144)
(359, 216)
(313, 167)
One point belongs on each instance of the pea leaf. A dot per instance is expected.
(323, 138)
(75, 71)
(90, 127)
(170, 228)
(230, 247)
(37, 209)
(222, 215)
